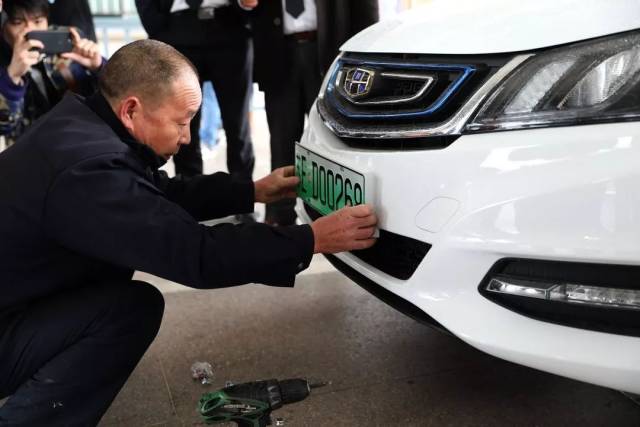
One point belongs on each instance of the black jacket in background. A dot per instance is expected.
(338, 20)
(184, 29)
(82, 202)
(76, 13)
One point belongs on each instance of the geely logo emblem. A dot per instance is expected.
(358, 82)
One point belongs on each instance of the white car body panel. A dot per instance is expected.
(563, 194)
(504, 196)
(459, 27)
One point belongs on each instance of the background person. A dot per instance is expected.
(295, 43)
(78, 216)
(215, 36)
(30, 83)
(210, 119)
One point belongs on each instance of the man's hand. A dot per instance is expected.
(85, 52)
(345, 230)
(279, 184)
(23, 57)
(248, 4)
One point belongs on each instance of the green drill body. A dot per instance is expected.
(250, 404)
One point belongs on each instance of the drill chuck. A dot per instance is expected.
(294, 390)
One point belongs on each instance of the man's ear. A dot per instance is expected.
(128, 110)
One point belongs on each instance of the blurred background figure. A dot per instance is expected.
(32, 83)
(211, 120)
(215, 36)
(73, 13)
(295, 43)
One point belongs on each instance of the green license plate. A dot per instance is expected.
(327, 186)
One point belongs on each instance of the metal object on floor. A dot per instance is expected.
(250, 404)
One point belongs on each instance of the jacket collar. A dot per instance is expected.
(101, 107)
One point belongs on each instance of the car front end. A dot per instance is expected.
(499, 145)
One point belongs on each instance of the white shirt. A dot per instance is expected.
(179, 5)
(307, 21)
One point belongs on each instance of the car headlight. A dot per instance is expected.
(588, 82)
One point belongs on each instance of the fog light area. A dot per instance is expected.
(567, 292)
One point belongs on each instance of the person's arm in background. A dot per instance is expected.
(80, 75)
(13, 84)
(11, 103)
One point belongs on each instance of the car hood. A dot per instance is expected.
(496, 26)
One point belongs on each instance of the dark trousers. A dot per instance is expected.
(64, 358)
(229, 68)
(286, 106)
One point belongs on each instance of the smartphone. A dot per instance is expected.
(55, 41)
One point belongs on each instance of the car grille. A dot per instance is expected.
(396, 255)
(370, 97)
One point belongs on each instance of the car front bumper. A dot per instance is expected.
(562, 194)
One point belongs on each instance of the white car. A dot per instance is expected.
(499, 144)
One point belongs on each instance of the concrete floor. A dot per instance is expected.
(384, 369)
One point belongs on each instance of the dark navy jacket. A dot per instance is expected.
(82, 202)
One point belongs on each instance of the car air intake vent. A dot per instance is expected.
(396, 255)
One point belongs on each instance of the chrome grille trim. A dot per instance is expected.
(453, 126)
(427, 79)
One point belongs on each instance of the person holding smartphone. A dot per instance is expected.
(32, 82)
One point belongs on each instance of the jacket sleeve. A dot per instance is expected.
(104, 210)
(207, 197)
(83, 81)
(11, 103)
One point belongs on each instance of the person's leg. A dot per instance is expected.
(64, 358)
(188, 161)
(285, 110)
(308, 58)
(230, 68)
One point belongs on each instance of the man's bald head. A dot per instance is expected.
(147, 69)
(155, 93)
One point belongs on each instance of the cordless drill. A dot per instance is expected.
(250, 404)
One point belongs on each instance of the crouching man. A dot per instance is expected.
(83, 205)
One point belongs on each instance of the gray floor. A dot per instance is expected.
(384, 369)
